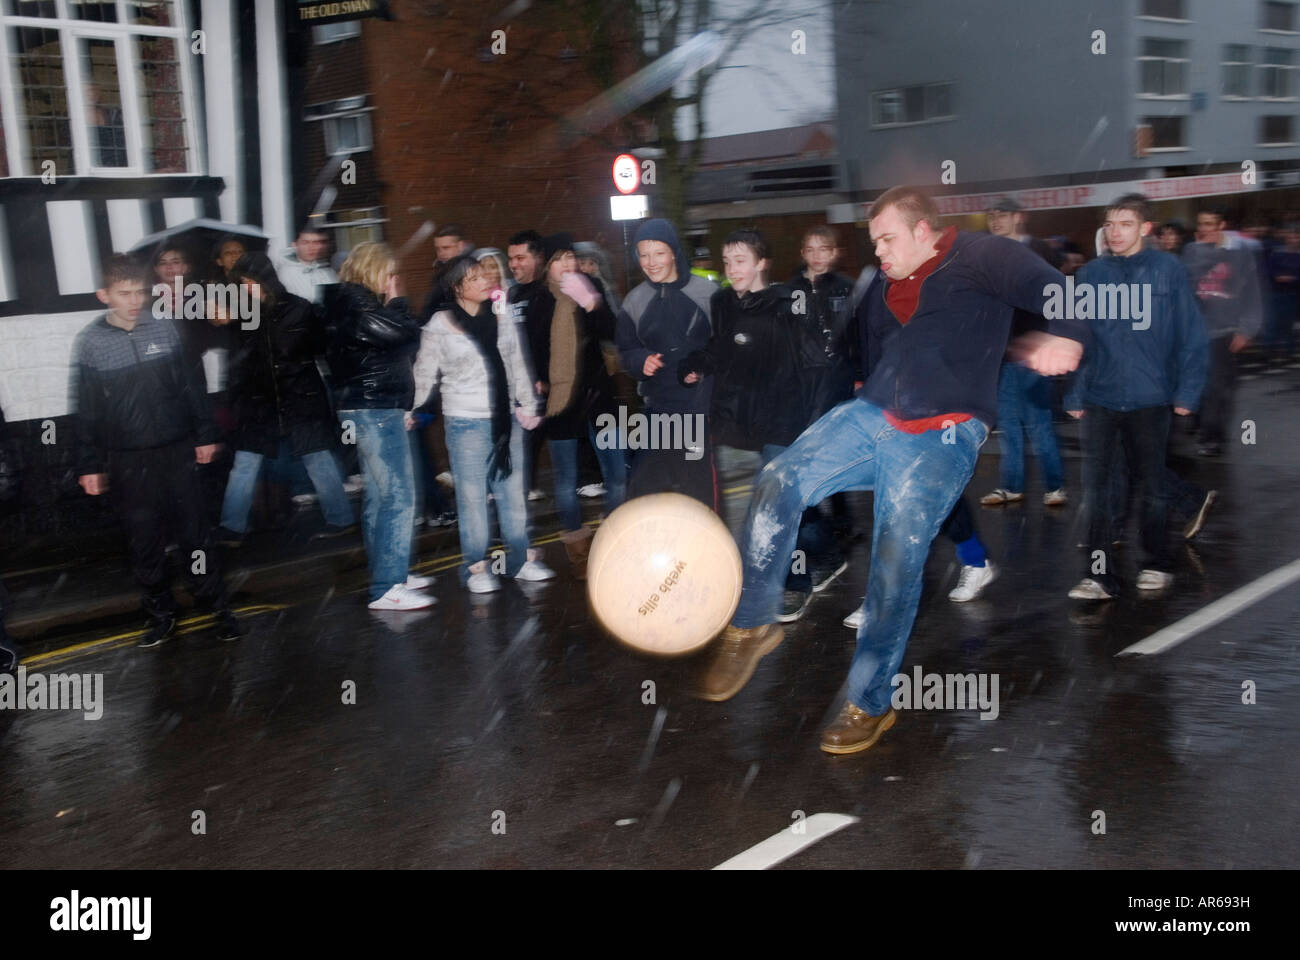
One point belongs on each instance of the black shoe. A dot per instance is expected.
(823, 575)
(333, 533)
(228, 538)
(228, 628)
(160, 631)
(794, 605)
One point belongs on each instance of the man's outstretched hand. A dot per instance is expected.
(1046, 354)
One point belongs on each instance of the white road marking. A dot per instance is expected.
(1217, 612)
(784, 845)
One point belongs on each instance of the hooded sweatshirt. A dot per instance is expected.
(1227, 285)
(671, 319)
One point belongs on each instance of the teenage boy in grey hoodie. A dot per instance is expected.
(663, 321)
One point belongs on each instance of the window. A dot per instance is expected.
(1277, 131)
(1167, 133)
(347, 134)
(1236, 70)
(1277, 16)
(334, 32)
(98, 91)
(1165, 9)
(919, 104)
(1162, 68)
(1275, 74)
(356, 226)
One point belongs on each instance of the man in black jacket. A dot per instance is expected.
(142, 422)
(532, 305)
(912, 435)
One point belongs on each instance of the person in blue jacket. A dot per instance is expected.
(1140, 366)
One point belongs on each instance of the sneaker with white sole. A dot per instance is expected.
(1154, 579)
(1090, 589)
(535, 495)
(481, 579)
(1056, 498)
(447, 480)
(973, 581)
(1001, 496)
(400, 597)
(534, 570)
(592, 490)
(354, 484)
(856, 619)
(824, 575)
(416, 582)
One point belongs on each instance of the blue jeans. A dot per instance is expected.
(469, 442)
(321, 468)
(816, 537)
(1025, 404)
(388, 518)
(564, 468)
(917, 479)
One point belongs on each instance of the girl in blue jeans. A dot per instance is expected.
(471, 361)
(372, 337)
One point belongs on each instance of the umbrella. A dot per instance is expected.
(197, 238)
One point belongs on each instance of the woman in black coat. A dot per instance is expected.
(279, 398)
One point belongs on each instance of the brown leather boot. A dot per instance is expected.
(577, 544)
(855, 730)
(733, 659)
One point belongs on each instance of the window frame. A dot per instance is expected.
(1158, 18)
(330, 124)
(1183, 147)
(1270, 144)
(1289, 31)
(1224, 63)
(1285, 69)
(1185, 60)
(352, 35)
(124, 35)
(901, 93)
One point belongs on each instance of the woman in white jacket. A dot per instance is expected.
(470, 359)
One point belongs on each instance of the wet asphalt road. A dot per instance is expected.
(505, 731)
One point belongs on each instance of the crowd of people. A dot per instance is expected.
(836, 384)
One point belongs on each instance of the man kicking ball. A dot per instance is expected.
(933, 342)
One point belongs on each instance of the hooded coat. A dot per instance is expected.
(671, 319)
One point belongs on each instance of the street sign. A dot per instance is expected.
(629, 208)
(627, 173)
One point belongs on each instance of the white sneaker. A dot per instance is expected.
(533, 568)
(973, 581)
(592, 490)
(481, 579)
(535, 495)
(416, 582)
(857, 618)
(1154, 579)
(1055, 498)
(1089, 589)
(354, 484)
(304, 499)
(446, 479)
(399, 597)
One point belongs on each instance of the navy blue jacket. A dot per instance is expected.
(947, 357)
(1162, 365)
(667, 318)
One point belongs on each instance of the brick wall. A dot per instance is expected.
(463, 136)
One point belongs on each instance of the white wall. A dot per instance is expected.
(35, 362)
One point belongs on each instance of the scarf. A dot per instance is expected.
(566, 347)
(482, 329)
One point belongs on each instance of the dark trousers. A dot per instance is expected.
(157, 496)
(1142, 436)
(1216, 402)
(669, 471)
(959, 525)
